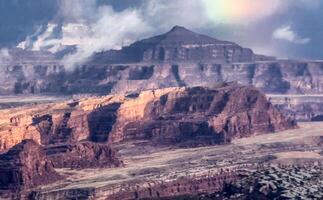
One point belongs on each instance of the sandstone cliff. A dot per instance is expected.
(82, 155)
(180, 44)
(272, 77)
(177, 58)
(211, 115)
(24, 166)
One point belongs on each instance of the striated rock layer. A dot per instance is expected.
(82, 155)
(172, 115)
(180, 44)
(25, 166)
(272, 77)
(177, 58)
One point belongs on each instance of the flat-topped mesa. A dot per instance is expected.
(25, 166)
(180, 44)
(171, 115)
(177, 58)
(204, 115)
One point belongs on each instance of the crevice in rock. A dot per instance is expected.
(141, 73)
(101, 122)
(178, 79)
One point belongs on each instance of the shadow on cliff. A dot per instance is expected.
(101, 121)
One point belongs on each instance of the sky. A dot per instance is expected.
(282, 28)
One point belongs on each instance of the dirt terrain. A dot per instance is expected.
(22, 100)
(145, 164)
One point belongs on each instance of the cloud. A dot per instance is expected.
(286, 33)
(90, 27)
(164, 14)
(93, 26)
(112, 30)
(4, 56)
(42, 39)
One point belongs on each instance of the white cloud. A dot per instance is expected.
(92, 27)
(4, 56)
(164, 14)
(111, 31)
(286, 33)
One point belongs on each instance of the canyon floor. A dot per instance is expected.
(13, 101)
(145, 164)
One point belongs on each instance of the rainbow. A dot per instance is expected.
(239, 10)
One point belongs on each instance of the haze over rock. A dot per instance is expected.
(181, 45)
(177, 58)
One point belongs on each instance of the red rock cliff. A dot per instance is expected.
(213, 115)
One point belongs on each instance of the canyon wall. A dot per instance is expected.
(272, 77)
(25, 166)
(299, 107)
(171, 115)
(177, 58)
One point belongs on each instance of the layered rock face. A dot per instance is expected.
(82, 155)
(272, 77)
(180, 44)
(81, 134)
(213, 115)
(24, 166)
(177, 58)
(300, 107)
(182, 114)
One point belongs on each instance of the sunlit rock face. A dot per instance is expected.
(171, 115)
(182, 114)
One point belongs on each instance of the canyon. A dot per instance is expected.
(88, 133)
(170, 115)
(177, 58)
(210, 172)
(177, 116)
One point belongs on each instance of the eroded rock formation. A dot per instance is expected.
(172, 115)
(177, 58)
(214, 115)
(82, 155)
(25, 166)
(180, 44)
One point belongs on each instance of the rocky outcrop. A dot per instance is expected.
(180, 44)
(177, 58)
(182, 114)
(171, 115)
(299, 107)
(25, 166)
(180, 188)
(279, 77)
(82, 155)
